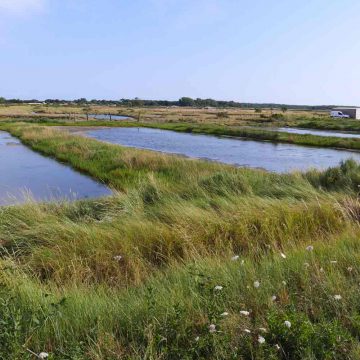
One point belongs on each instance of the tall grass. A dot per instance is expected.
(253, 133)
(329, 124)
(178, 247)
(169, 316)
(260, 134)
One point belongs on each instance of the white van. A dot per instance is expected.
(339, 114)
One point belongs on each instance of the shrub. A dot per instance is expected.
(222, 115)
(344, 177)
(277, 116)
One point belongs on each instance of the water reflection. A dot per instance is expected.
(26, 174)
(256, 154)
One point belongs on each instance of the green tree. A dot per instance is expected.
(186, 101)
(80, 101)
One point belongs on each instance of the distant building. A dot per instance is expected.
(353, 112)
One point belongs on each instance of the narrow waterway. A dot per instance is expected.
(108, 117)
(317, 132)
(239, 152)
(25, 174)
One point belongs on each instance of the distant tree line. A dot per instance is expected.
(182, 102)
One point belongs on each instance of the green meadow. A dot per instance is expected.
(186, 260)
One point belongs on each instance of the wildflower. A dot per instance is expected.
(306, 264)
(117, 258)
(247, 331)
(256, 284)
(284, 282)
(310, 248)
(263, 329)
(261, 340)
(322, 270)
(212, 328)
(224, 314)
(349, 269)
(283, 255)
(337, 297)
(242, 262)
(218, 288)
(197, 338)
(244, 312)
(273, 298)
(43, 355)
(236, 257)
(277, 347)
(287, 324)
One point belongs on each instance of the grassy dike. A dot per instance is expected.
(328, 124)
(261, 134)
(187, 260)
(236, 131)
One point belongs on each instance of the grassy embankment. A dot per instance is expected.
(177, 224)
(309, 122)
(217, 130)
(329, 124)
(261, 134)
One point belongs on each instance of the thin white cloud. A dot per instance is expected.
(21, 6)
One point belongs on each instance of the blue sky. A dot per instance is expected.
(284, 51)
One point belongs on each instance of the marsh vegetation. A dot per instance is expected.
(187, 260)
(243, 152)
(239, 122)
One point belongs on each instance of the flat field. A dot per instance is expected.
(232, 118)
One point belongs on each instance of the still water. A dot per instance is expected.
(26, 174)
(255, 154)
(317, 132)
(107, 117)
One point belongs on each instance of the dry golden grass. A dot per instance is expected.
(229, 116)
